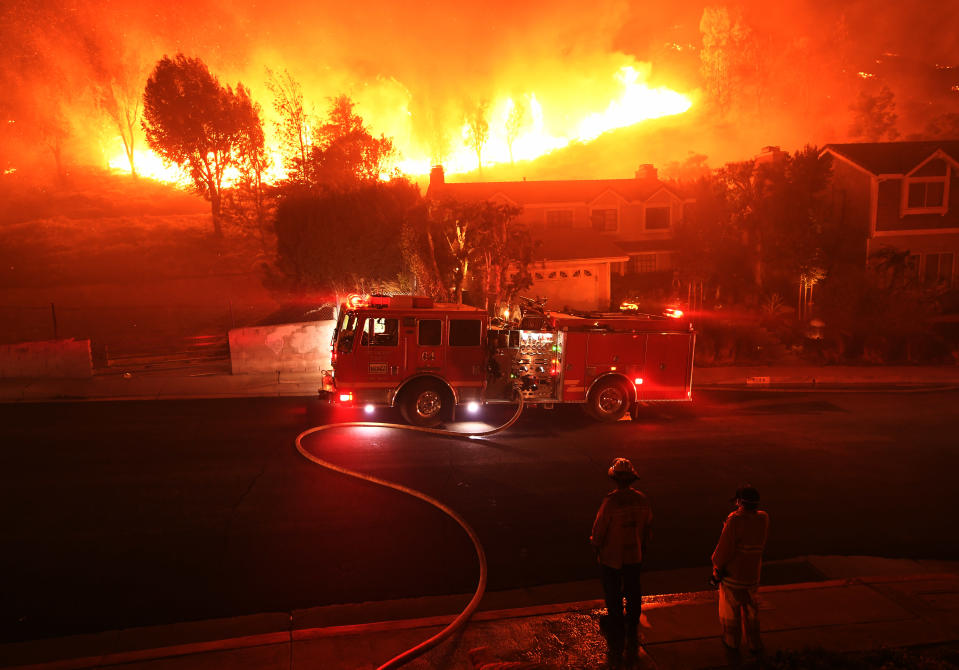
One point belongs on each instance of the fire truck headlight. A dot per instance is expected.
(638, 381)
(368, 409)
(472, 407)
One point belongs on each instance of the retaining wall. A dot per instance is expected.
(59, 359)
(288, 347)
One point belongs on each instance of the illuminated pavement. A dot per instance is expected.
(219, 490)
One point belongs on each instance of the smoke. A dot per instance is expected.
(416, 68)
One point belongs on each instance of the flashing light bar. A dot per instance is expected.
(673, 313)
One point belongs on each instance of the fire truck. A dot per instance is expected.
(428, 358)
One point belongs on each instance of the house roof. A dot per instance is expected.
(892, 157)
(580, 245)
(647, 245)
(559, 191)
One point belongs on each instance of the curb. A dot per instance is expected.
(652, 602)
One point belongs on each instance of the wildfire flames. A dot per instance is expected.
(538, 132)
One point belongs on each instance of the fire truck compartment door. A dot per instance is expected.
(425, 350)
(666, 373)
(466, 356)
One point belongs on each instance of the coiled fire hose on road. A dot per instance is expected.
(473, 604)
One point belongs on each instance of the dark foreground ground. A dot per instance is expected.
(134, 513)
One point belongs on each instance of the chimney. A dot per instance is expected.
(437, 176)
(646, 171)
(770, 154)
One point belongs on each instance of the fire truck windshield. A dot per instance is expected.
(344, 342)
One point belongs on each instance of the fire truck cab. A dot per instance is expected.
(428, 357)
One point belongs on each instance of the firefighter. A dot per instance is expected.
(620, 532)
(737, 561)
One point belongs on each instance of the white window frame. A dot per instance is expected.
(634, 263)
(614, 229)
(669, 225)
(908, 181)
(572, 218)
(939, 277)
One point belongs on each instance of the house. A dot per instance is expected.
(902, 196)
(587, 229)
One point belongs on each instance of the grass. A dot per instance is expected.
(126, 262)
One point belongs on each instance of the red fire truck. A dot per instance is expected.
(428, 358)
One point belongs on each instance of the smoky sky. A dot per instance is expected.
(430, 59)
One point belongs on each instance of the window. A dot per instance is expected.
(938, 269)
(559, 218)
(643, 263)
(539, 275)
(577, 273)
(605, 220)
(465, 333)
(926, 194)
(657, 218)
(430, 333)
(382, 332)
(344, 340)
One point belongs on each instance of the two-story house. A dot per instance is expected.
(903, 196)
(585, 229)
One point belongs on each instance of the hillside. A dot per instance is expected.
(128, 263)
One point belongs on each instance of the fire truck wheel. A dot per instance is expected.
(424, 403)
(608, 400)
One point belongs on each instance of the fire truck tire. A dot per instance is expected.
(608, 400)
(425, 403)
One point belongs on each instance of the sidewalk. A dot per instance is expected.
(180, 384)
(903, 603)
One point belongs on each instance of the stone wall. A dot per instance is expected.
(288, 347)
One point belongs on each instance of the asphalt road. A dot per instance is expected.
(136, 513)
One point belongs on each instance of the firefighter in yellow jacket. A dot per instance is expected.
(737, 562)
(619, 536)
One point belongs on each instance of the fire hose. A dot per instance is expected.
(473, 604)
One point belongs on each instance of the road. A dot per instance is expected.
(136, 513)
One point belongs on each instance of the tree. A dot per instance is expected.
(117, 79)
(193, 121)
(294, 129)
(943, 127)
(874, 116)
(727, 57)
(345, 153)
(477, 130)
(341, 239)
(471, 244)
(252, 161)
(514, 123)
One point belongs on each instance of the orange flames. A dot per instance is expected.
(525, 136)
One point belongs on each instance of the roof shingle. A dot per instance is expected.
(892, 157)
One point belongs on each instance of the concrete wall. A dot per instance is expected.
(51, 359)
(289, 347)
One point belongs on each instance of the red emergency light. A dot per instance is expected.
(355, 301)
(346, 397)
(674, 313)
